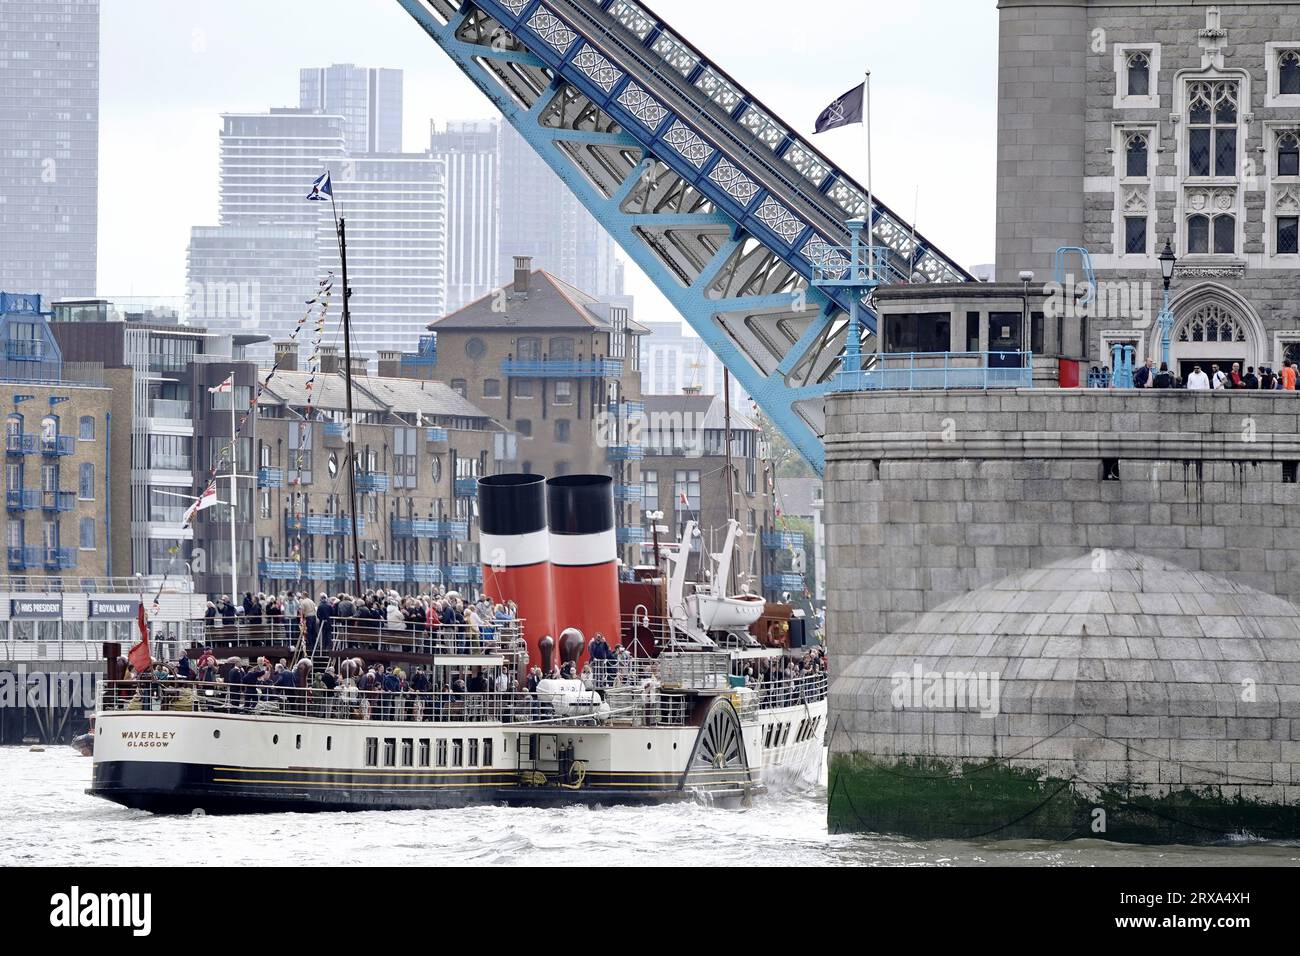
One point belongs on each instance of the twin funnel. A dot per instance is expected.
(561, 575)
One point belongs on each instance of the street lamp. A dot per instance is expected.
(1166, 318)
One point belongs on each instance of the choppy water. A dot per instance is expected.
(49, 820)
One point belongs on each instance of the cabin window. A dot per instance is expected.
(458, 752)
(442, 753)
(487, 751)
(408, 752)
(390, 751)
(424, 753)
(372, 751)
(473, 752)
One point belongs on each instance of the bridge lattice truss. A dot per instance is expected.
(723, 207)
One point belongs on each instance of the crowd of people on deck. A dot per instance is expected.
(370, 617)
(1217, 378)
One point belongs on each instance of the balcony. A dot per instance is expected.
(430, 528)
(279, 570)
(58, 445)
(58, 501)
(322, 524)
(59, 559)
(630, 535)
(463, 574)
(25, 350)
(435, 434)
(270, 477)
(624, 453)
(327, 570)
(22, 558)
(587, 368)
(629, 494)
(425, 573)
(783, 540)
(785, 581)
(22, 499)
(426, 355)
(625, 409)
(170, 409)
(466, 487)
(369, 482)
(334, 433)
(17, 443)
(388, 571)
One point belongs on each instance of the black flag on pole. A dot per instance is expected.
(845, 110)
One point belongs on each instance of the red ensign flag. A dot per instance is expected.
(139, 657)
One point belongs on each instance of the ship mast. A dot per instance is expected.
(350, 425)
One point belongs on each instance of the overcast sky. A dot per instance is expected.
(170, 67)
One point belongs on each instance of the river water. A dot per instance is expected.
(49, 820)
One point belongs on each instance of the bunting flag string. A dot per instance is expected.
(319, 305)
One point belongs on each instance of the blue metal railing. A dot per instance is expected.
(435, 434)
(22, 499)
(270, 477)
(630, 535)
(19, 444)
(280, 570)
(371, 481)
(625, 409)
(425, 573)
(59, 559)
(57, 445)
(322, 524)
(25, 557)
(463, 573)
(326, 570)
(785, 581)
(1099, 377)
(426, 354)
(333, 430)
(466, 487)
(782, 539)
(940, 370)
(587, 368)
(25, 350)
(430, 528)
(384, 570)
(624, 453)
(629, 493)
(58, 501)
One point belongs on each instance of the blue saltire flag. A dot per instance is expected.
(321, 188)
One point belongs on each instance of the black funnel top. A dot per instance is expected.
(581, 504)
(511, 504)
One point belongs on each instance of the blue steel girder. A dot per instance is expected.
(730, 239)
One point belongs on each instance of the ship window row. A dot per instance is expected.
(454, 751)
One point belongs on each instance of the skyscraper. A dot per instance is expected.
(468, 151)
(49, 146)
(369, 100)
(541, 218)
(254, 270)
(396, 213)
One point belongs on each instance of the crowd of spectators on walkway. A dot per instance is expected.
(1211, 377)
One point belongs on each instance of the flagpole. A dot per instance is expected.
(871, 225)
(340, 231)
(234, 494)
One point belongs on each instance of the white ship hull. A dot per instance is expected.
(168, 761)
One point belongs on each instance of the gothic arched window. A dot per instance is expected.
(1135, 155)
(1206, 234)
(1212, 323)
(1139, 74)
(1288, 154)
(1288, 73)
(1212, 129)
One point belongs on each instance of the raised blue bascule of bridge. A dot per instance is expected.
(741, 224)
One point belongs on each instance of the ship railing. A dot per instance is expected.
(648, 704)
(790, 691)
(696, 670)
(621, 673)
(345, 702)
(364, 635)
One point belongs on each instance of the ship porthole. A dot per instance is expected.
(275, 739)
(216, 734)
(329, 743)
(674, 745)
(298, 743)
(647, 745)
